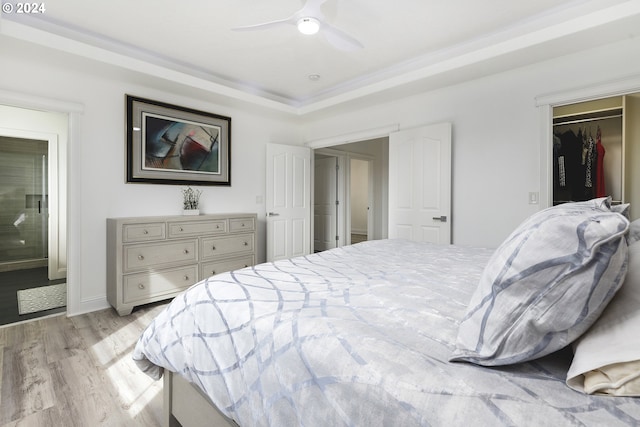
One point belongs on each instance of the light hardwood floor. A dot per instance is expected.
(77, 371)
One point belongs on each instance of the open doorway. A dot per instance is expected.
(360, 199)
(327, 201)
(32, 214)
(350, 193)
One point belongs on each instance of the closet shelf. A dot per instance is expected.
(587, 117)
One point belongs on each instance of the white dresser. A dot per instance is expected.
(155, 258)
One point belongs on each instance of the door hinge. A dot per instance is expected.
(337, 238)
(337, 202)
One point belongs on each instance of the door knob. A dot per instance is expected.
(273, 214)
(440, 218)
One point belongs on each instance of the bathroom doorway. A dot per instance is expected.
(32, 214)
(24, 230)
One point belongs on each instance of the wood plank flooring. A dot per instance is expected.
(357, 238)
(77, 371)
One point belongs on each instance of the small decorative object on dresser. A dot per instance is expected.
(155, 258)
(191, 201)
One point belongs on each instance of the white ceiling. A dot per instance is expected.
(414, 44)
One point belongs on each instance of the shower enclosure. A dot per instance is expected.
(23, 203)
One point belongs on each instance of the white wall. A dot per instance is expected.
(496, 143)
(97, 188)
(496, 133)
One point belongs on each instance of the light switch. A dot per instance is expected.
(534, 197)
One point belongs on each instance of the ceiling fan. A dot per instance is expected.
(310, 20)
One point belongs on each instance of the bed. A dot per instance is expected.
(363, 335)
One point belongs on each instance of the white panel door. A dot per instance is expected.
(288, 201)
(420, 184)
(325, 208)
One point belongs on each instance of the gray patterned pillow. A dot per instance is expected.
(634, 232)
(545, 285)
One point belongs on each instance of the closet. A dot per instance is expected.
(595, 147)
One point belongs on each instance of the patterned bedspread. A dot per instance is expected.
(358, 336)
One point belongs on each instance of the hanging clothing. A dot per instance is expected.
(559, 177)
(600, 190)
(570, 165)
(589, 162)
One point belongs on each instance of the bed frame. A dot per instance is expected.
(186, 406)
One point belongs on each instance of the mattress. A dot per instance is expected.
(358, 336)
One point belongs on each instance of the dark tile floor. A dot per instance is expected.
(11, 282)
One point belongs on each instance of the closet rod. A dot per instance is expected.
(569, 122)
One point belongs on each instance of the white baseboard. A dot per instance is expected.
(89, 305)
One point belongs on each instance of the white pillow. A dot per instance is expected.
(545, 285)
(613, 340)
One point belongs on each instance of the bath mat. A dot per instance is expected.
(42, 298)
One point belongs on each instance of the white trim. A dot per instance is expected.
(89, 305)
(607, 89)
(362, 135)
(22, 100)
(545, 198)
(74, 235)
(134, 63)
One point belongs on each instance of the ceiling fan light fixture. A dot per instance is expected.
(308, 25)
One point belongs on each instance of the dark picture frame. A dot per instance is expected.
(168, 144)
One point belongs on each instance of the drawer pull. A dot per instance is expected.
(217, 226)
(140, 257)
(213, 272)
(186, 277)
(246, 243)
(186, 251)
(140, 285)
(242, 225)
(181, 229)
(145, 232)
(213, 248)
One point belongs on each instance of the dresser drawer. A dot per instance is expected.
(138, 257)
(143, 232)
(216, 267)
(212, 247)
(153, 258)
(148, 285)
(242, 224)
(196, 228)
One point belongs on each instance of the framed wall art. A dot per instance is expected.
(167, 144)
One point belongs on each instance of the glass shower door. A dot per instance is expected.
(23, 201)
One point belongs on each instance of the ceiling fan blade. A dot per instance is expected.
(266, 25)
(339, 39)
(311, 8)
